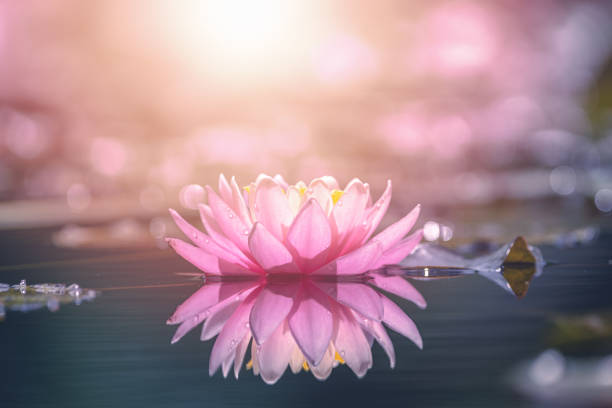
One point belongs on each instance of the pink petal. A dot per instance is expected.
(310, 234)
(240, 353)
(330, 182)
(296, 362)
(295, 199)
(272, 208)
(207, 296)
(281, 181)
(195, 235)
(274, 354)
(227, 364)
(233, 332)
(400, 251)
(353, 263)
(311, 323)
(225, 190)
(396, 319)
(400, 287)
(205, 261)
(377, 212)
(220, 240)
(355, 296)
(204, 241)
(375, 330)
(349, 209)
(195, 319)
(187, 325)
(395, 232)
(270, 309)
(231, 225)
(323, 370)
(196, 256)
(218, 316)
(319, 190)
(351, 343)
(239, 204)
(271, 255)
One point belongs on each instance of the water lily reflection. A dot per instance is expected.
(312, 323)
(297, 256)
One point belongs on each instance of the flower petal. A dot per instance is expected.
(296, 362)
(218, 316)
(349, 209)
(233, 332)
(271, 307)
(353, 263)
(240, 353)
(272, 208)
(311, 323)
(225, 190)
(274, 355)
(395, 232)
(310, 235)
(397, 320)
(400, 251)
(357, 296)
(205, 297)
(231, 225)
(400, 287)
(207, 244)
(351, 343)
(319, 190)
(323, 370)
(378, 332)
(227, 364)
(205, 261)
(239, 204)
(378, 211)
(271, 255)
(218, 237)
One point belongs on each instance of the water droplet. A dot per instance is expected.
(378, 204)
(195, 318)
(231, 215)
(237, 298)
(245, 231)
(247, 325)
(207, 241)
(195, 235)
(342, 353)
(232, 343)
(339, 204)
(364, 224)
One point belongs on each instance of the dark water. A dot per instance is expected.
(116, 350)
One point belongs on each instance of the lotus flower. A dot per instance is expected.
(287, 266)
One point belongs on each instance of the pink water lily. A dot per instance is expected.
(280, 262)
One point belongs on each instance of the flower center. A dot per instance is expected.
(335, 195)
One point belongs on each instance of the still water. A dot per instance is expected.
(116, 351)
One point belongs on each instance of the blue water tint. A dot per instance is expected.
(115, 351)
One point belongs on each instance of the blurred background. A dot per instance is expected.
(113, 109)
(495, 115)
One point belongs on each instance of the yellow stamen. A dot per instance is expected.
(247, 189)
(302, 191)
(335, 195)
(249, 365)
(339, 358)
(305, 366)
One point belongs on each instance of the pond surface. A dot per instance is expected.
(116, 351)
